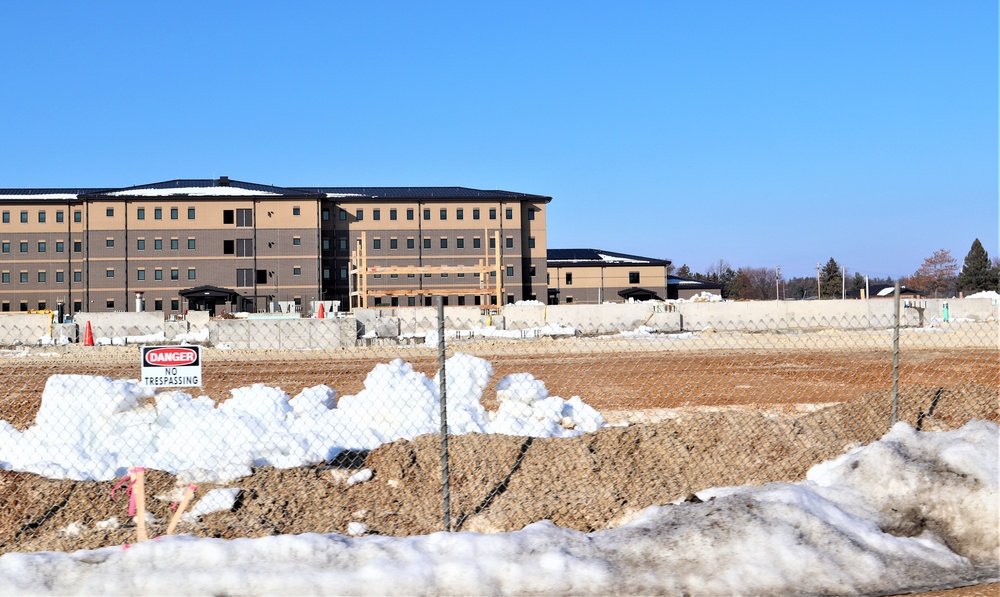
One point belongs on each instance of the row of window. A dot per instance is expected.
(411, 301)
(244, 277)
(140, 213)
(359, 214)
(42, 216)
(633, 278)
(442, 243)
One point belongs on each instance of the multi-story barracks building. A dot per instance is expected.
(217, 244)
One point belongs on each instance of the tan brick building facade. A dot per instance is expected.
(94, 249)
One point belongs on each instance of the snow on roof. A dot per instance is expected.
(620, 259)
(34, 196)
(199, 191)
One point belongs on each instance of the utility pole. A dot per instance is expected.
(819, 293)
(777, 282)
(843, 282)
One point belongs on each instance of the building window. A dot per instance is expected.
(427, 214)
(41, 246)
(157, 274)
(59, 217)
(41, 276)
(477, 242)
(493, 213)
(509, 242)
(633, 277)
(493, 243)
(175, 274)
(409, 243)
(175, 244)
(77, 246)
(326, 273)
(109, 273)
(175, 304)
(140, 274)
(110, 212)
(409, 214)
(158, 244)
(110, 303)
(6, 246)
(342, 214)
(109, 243)
(77, 276)
(393, 243)
(190, 213)
(343, 244)
(531, 242)
(297, 271)
(325, 214)
(459, 214)
(192, 273)
(569, 278)
(229, 247)
(60, 277)
(392, 214)
(158, 305)
(173, 213)
(444, 213)
(460, 243)
(244, 247)
(427, 243)
(140, 214)
(376, 214)
(6, 217)
(569, 300)
(444, 243)
(24, 217)
(24, 278)
(140, 244)
(191, 243)
(296, 241)
(359, 214)
(377, 243)
(296, 210)
(60, 246)
(244, 277)
(343, 273)
(509, 213)
(531, 214)
(510, 271)
(41, 217)
(77, 216)
(475, 213)
(24, 246)
(531, 271)
(326, 243)
(5, 278)
(244, 218)
(158, 214)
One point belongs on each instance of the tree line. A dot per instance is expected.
(938, 277)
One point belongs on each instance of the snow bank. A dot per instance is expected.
(841, 532)
(95, 428)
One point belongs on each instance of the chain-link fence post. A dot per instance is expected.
(445, 493)
(895, 354)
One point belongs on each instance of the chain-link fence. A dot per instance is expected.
(333, 425)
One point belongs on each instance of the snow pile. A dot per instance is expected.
(96, 428)
(990, 294)
(551, 329)
(914, 512)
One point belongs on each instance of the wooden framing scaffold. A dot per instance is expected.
(361, 291)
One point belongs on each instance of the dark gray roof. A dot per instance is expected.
(691, 284)
(424, 193)
(597, 257)
(181, 184)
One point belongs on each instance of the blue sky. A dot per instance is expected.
(762, 133)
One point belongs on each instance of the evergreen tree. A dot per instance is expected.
(831, 280)
(684, 271)
(977, 272)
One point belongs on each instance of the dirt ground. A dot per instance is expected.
(684, 421)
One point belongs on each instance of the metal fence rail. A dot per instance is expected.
(582, 428)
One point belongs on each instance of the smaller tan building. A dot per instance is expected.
(593, 276)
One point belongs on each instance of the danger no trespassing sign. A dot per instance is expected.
(171, 366)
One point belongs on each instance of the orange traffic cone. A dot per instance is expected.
(321, 314)
(88, 336)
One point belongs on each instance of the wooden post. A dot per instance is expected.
(138, 478)
(181, 506)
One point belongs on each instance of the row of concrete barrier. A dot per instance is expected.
(412, 323)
